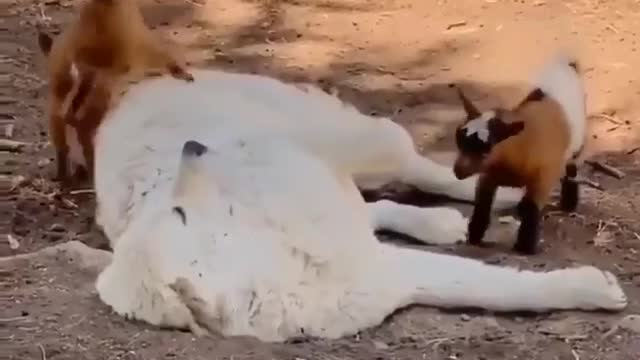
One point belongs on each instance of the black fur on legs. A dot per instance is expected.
(529, 231)
(481, 218)
(569, 190)
(61, 164)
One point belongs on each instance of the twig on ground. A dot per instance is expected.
(456, 24)
(575, 337)
(609, 118)
(612, 28)
(8, 131)
(69, 204)
(589, 183)
(631, 151)
(197, 2)
(43, 16)
(607, 169)
(575, 354)
(17, 181)
(12, 319)
(11, 145)
(435, 343)
(82, 191)
(43, 354)
(13, 242)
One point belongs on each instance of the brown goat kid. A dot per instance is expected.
(107, 40)
(532, 146)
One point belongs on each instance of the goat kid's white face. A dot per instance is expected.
(477, 136)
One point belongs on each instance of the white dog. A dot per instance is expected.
(231, 206)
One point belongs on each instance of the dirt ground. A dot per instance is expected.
(391, 58)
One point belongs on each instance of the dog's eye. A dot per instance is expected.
(180, 212)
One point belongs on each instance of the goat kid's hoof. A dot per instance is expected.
(526, 250)
(180, 73)
(477, 243)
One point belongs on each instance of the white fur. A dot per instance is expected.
(480, 125)
(277, 240)
(561, 82)
(380, 151)
(439, 226)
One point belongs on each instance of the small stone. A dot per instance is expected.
(54, 236)
(465, 317)
(57, 227)
(507, 220)
(630, 323)
(380, 345)
(490, 322)
(563, 327)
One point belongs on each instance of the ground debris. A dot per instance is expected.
(12, 145)
(629, 323)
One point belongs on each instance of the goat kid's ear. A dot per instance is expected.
(515, 128)
(508, 130)
(469, 108)
(45, 42)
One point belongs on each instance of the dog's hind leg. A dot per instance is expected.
(450, 281)
(390, 155)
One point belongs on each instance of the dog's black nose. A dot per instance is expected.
(193, 148)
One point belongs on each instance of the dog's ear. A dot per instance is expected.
(45, 42)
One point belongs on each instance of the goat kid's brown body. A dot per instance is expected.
(533, 154)
(535, 158)
(107, 40)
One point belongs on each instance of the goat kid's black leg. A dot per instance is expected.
(61, 165)
(569, 190)
(481, 218)
(529, 231)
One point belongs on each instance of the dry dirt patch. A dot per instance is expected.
(391, 58)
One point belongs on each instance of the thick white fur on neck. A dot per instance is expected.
(561, 82)
(277, 240)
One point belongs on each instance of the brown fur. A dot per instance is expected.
(528, 149)
(108, 39)
(535, 157)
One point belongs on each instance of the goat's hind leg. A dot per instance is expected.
(569, 190)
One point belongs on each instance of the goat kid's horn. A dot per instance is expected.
(469, 108)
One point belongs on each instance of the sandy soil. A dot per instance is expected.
(392, 58)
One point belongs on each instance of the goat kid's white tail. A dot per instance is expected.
(560, 79)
